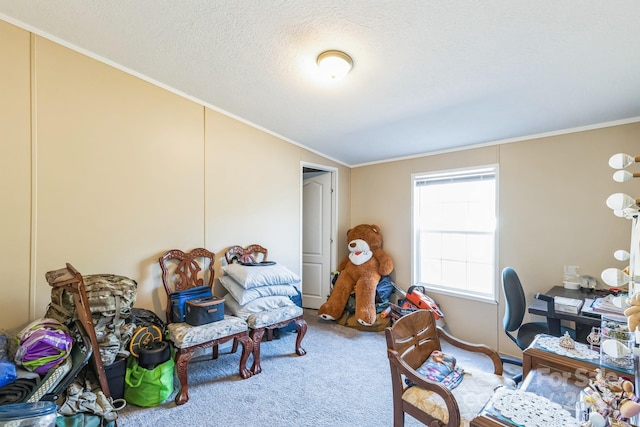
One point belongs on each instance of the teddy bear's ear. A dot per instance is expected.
(375, 228)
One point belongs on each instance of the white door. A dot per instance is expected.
(316, 239)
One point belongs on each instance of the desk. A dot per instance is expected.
(583, 323)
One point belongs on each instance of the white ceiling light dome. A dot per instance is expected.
(334, 64)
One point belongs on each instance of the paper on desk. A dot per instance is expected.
(605, 305)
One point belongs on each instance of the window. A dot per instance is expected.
(454, 229)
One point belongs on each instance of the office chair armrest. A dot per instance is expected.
(551, 307)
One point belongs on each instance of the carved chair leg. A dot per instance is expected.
(183, 356)
(302, 329)
(247, 349)
(256, 337)
(234, 347)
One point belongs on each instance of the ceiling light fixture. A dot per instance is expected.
(334, 64)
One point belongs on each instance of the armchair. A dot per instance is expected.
(410, 342)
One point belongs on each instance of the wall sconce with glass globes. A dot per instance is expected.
(625, 206)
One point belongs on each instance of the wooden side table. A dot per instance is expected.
(579, 365)
(564, 393)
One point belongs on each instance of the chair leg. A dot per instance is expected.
(247, 348)
(398, 417)
(302, 330)
(256, 336)
(183, 356)
(214, 352)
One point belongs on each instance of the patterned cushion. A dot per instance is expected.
(276, 315)
(472, 394)
(441, 368)
(184, 335)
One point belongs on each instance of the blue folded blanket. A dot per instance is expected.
(440, 367)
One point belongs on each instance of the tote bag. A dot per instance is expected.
(148, 387)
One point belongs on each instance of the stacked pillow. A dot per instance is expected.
(253, 289)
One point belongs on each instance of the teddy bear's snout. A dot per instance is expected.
(358, 245)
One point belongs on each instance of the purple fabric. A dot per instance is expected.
(43, 345)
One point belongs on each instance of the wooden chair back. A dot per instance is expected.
(186, 270)
(410, 342)
(414, 337)
(250, 254)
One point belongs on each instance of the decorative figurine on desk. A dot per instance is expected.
(594, 337)
(567, 342)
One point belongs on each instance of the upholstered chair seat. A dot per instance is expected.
(184, 335)
(273, 316)
(472, 394)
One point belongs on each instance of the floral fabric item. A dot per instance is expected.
(440, 367)
(270, 317)
(184, 335)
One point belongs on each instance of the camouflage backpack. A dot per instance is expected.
(108, 294)
(111, 298)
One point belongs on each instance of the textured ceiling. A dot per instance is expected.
(428, 75)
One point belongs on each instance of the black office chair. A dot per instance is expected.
(515, 309)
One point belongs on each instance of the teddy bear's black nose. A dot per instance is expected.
(352, 244)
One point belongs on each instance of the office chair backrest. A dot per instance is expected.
(515, 301)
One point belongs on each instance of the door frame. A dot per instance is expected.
(333, 253)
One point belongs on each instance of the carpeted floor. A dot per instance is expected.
(343, 380)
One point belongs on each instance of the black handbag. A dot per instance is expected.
(201, 311)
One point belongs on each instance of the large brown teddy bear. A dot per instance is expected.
(361, 270)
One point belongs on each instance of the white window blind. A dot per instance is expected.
(454, 226)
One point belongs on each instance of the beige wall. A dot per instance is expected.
(124, 171)
(552, 213)
(106, 171)
(15, 175)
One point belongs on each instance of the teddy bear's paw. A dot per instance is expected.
(325, 316)
(363, 323)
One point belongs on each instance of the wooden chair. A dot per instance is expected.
(410, 341)
(271, 319)
(181, 271)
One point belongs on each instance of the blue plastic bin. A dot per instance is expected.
(37, 414)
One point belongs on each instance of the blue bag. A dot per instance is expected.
(179, 301)
(384, 289)
(8, 373)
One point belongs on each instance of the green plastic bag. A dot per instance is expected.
(148, 387)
